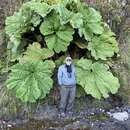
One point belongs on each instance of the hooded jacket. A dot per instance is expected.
(64, 79)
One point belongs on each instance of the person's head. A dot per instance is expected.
(68, 60)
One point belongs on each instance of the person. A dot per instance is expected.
(67, 84)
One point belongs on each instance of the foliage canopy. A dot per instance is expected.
(55, 27)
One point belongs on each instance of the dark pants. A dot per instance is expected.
(67, 95)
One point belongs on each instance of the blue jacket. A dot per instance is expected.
(63, 78)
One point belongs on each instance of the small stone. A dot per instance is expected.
(108, 113)
(121, 116)
(117, 108)
(92, 124)
(9, 125)
(92, 113)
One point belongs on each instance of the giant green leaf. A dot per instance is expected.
(31, 80)
(35, 53)
(77, 20)
(64, 14)
(15, 25)
(36, 19)
(103, 46)
(92, 22)
(57, 36)
(20, 23)
(39, 7)
(96, 79)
